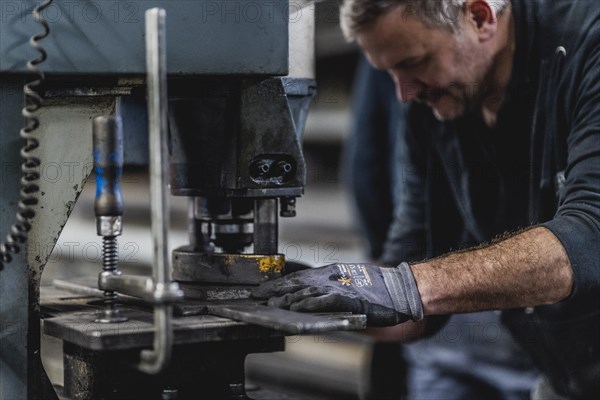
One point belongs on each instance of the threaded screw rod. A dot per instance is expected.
(108, 163)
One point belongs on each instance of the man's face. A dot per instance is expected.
(449, 72)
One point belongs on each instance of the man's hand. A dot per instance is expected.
(388, 296)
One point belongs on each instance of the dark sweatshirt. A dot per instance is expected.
(539, 166)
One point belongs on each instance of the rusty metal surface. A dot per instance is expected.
(79, 328)
(216, 293)
(239, 269)
(88, 286)
(71, 318)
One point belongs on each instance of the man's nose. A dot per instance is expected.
(407, 89)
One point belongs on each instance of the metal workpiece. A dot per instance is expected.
(229, 269)
(202, 292)
(68, 318)
(290, 322)
(87, 287)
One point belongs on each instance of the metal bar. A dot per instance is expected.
(131, 285)
(199, 241)
(157, 124)
(265, 226)
(140, 286)
(77, 288)
(155, 360)
(83, 287)
(291, 322)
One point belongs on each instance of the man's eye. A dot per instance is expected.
(411, 63)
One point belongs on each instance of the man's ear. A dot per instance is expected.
(483, 18)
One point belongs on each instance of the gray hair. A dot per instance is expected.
(356, 15)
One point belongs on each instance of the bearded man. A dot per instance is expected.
(503, 131)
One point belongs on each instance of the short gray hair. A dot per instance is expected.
(356, 15)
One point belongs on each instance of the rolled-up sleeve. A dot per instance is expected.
(577, 221)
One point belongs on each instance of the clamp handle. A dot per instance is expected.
(108, 162)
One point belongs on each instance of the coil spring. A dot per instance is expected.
(110, 260)
(30, 167)
(110, 253)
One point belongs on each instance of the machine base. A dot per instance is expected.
(100, 359)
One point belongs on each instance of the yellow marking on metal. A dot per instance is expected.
(271, 264)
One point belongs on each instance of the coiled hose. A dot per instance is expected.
(30, 166)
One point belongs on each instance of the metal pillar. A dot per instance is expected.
(64, 170)
(21, 373)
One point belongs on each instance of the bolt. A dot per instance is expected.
(284, 167)
(263, 168)
(287, 207)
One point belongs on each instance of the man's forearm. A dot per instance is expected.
(528, 269)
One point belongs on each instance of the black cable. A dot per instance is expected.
(30, 167)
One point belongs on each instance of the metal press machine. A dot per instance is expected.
(213, 97)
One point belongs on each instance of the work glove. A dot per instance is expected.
(388, 296)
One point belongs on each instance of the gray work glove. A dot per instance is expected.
(388, 296)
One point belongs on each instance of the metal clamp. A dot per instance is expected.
(139, 286)
(155, 360)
